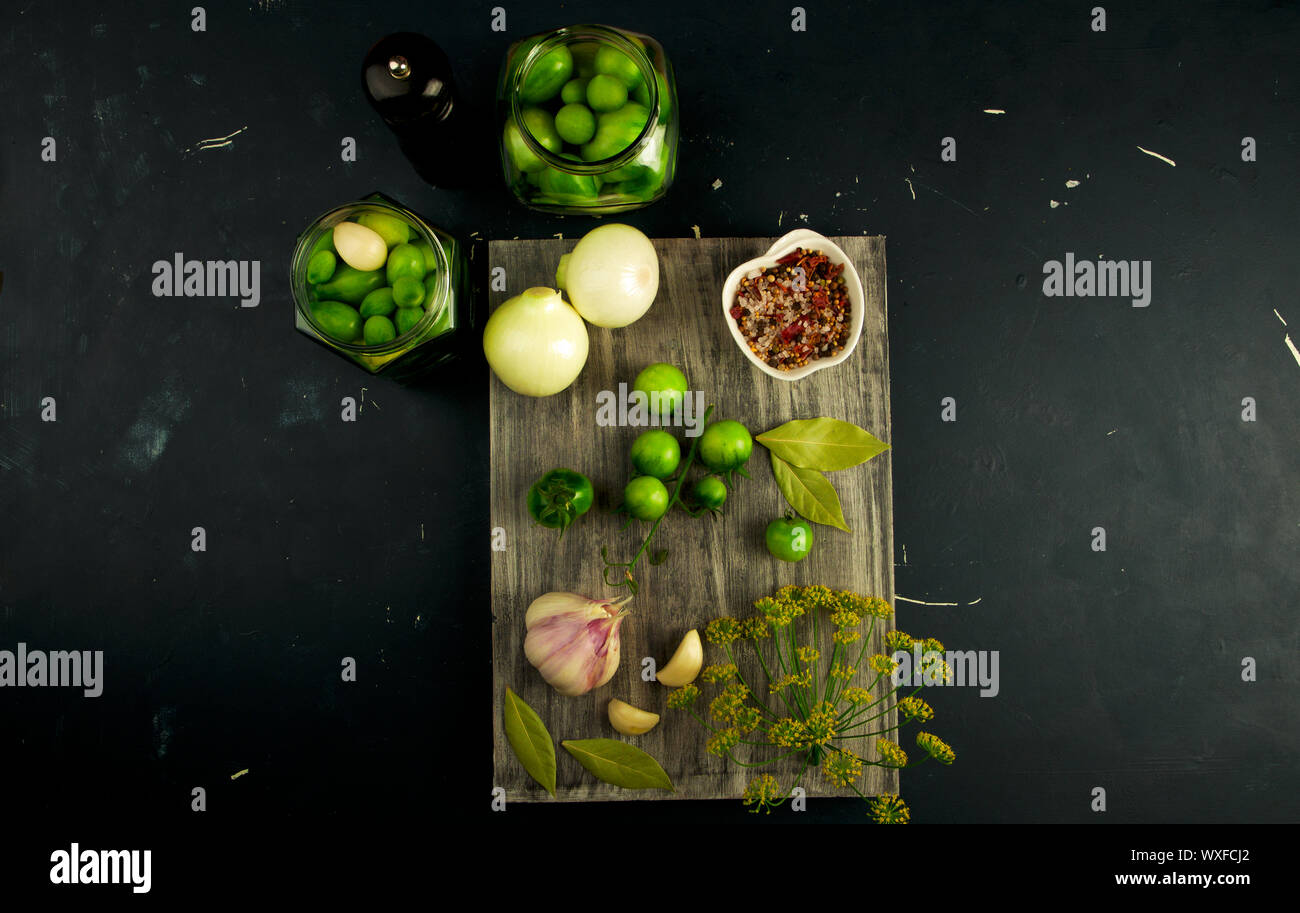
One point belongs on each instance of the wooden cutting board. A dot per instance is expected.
(715, 567)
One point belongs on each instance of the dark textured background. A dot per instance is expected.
(1118, 669)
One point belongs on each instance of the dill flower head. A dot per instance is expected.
(755, 627)
(842, 671)
(817, 597)
(762, 792)
(819, 725)
(935, 669)
(888, 809)
(723, 741)
(722, 632)
(891, 754)
(719, 672)
(842, 767)
(809, 655)
(746, 719)
(846, 618)
(898, 640)
(877, 608)
(913, 708)
(683, 697)
(856, 696)
(845, 636)
(882, 664)
(784, 609)
(801, 680)
(724, 706)
(931, 645)
(788, 733)
(935, 747)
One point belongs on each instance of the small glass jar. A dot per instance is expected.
(419, 342)
(589, 120)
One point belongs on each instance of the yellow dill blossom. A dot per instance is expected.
(683, 697)
(817, 597)
(746, 719)
(809, 655)
(802, 680)
(931, 645)
(913, 708)
(762, 792)
(721, 672)
(819, 726)
(755, 627)
(877, 608)
(897, 640)
(845, 618)
(723, 741)
(856, 696)
(891, 753)
(842, 671)
(783, 611)
(935, 747)
(882, 664)
(721, 632)
(842, 767)
(888, 809)
(724, 706)
(845, 636)
(935, 669)
(788, 733)
(788, 593)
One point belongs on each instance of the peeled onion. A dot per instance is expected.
(536, 342)
(612, 276)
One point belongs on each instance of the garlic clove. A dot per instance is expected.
(686, 662)
(631, 720)
(360, 247)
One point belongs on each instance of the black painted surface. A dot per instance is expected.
(1118, 669)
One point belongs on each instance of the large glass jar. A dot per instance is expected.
(334, 303)
(588, 120)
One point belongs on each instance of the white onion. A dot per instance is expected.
(536, 343)
(612, 276)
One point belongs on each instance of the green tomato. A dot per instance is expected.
(709, 492)
(789, 539)
(521, 156)
(393, 230)
(338, 320)
(408, 292)
(379, 330)
(565, 184)
(575, 123)
(663, 384)
(725, 446)
(606, 93)
(350, 285)
(426, 251)
(560, 497)
(656, 453)
(615, 131)
(574, 91)
(547, 76)
(405, 260)
(610, 61)
(407, 318)
(378, 303)
(584, 59)
(645, 498)
(322, 263)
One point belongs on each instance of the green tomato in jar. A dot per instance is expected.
(584, 59)
(378, 330)
(615, 131)
(789, 538)
(547, 76)
(426, 251)
(541, 126)
(641, 94)
(562, 183)
(407, 319)
(322, 263)
(350, 285)
(610, 61)
(378, 303)
(606, 93)
(405, 260)
(408, 292)
(575, 123)
(645, 498)
(337, 320)
(574, 92)
(521, 155)
(393, 230)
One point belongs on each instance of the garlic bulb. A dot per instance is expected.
(573, 641)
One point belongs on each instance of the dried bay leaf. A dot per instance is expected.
(823, 444)
(810, 493)
(619, 763)
(529, 739)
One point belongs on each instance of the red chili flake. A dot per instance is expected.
(819, 299)
(737, 312)
(791, 331)
(790, 257)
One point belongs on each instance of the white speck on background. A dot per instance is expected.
(1291, 345)
(158, 415)
(217, 141)
(803, 217)
(1072, 184)
(1162, 158)
(920, 602)
(696, 229)
(1279, 316)
(717, 182)
(994, 111)
(910, 187)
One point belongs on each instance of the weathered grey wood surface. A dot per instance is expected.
(715, 568)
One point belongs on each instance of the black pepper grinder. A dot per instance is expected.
(408, 79)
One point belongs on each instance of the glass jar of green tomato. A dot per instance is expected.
(588, 120)
(381, 287)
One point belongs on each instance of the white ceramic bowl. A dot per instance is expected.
(801, 237)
